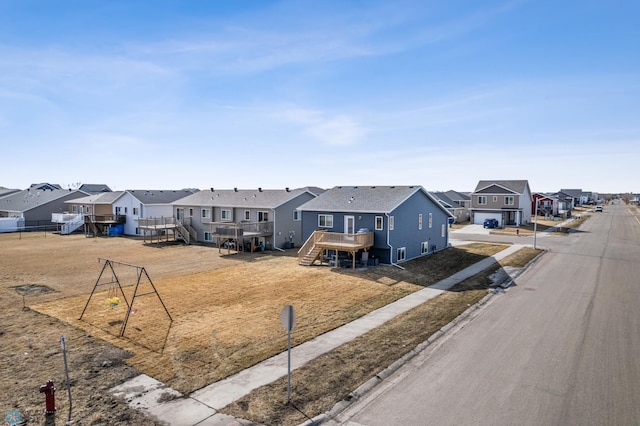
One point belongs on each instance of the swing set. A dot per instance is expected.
(115, 290)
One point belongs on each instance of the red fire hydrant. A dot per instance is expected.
(49, 391)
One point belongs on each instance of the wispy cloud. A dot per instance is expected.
(328, 129)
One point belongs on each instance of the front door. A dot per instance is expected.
(179, 214)
(349, 224)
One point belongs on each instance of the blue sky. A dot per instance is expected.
(273, 94)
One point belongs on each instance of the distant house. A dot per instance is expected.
(244, 218)
(95, 212)
(457, 204)
(508, 201)
(577, 195)
(36, 204)
(391, 223)
(94, 188)
(547, 205)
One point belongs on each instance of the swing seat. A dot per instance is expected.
(112, 302)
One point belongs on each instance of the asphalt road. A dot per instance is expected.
(561, 347)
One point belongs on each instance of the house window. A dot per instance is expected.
(74, 209)
(391, 223)
(325, 221)
(379, 223)
(430, 220)
(191, 212)
(208, 237)
(247, 215)
(206, 214)
(401, 253)
(225, 214)
(135, 211)
(297, 215)
(482, 200)
(420, 221)
(118, 210)
(495, 198)
(126, 210)
(263, 216)
(87, 209)
(424, 247)
(443, 230)
(509, 200)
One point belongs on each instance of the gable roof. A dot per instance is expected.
(365, 199)
(100, 198)
(517, 186)
(445, 200)
(457, 196)
(575, 193)
(30, 198)
(94, 188)
(247, 198)
(159, 196)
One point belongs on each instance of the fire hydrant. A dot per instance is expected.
(49, 391)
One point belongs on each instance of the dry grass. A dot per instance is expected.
(225, 313)
(330, 378)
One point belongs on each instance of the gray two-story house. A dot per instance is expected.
(389, 223)
(508, 201)
(244, 218)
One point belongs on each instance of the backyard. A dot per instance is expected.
(222, 313)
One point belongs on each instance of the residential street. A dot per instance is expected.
(559, 348)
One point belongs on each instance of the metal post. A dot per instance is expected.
(289, 368)
(66, 372)
(535, 224)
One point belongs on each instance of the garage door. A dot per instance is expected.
(479, 218)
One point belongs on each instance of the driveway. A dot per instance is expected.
(471, 229)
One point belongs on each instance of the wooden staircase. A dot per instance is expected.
(309, 258)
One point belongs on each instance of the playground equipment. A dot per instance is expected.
(113, 299)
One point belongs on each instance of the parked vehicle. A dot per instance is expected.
(491, 223)
(599, 209)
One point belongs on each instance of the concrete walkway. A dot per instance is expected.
(200, 408)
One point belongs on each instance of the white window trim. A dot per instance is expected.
(205, 214)
(430, 220)
(508, 198)
(225, 214)
(482, 200)
(325, 216)
(424, 247)
(208, 237)
(247, 215)
(420, 221)
(297, 215)
(391, 223)
(379, 220)
(402, 250)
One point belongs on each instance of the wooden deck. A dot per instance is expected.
(320, 241)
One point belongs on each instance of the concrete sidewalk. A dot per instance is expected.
(200, 408)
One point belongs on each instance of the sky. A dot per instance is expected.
(273, 94)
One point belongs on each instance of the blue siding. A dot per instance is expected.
(406, 231)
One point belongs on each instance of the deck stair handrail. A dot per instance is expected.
(183, 232)
(73, 224)
(321, 240)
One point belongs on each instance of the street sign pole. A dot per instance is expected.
(287, 317)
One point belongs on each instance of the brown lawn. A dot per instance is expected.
(225, 311)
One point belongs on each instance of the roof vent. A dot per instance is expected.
(259, 189)
(235, 189)
(287, 189)
(212, 189)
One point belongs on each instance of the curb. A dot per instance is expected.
(370, 384)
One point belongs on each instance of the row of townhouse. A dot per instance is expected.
(389, 223)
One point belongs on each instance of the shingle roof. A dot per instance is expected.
(364, 199)
(249, 198)
(30, 198)
(94, 188)
(159, 196)
(100, 198)
(518, 186)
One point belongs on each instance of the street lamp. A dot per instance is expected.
(535, 224)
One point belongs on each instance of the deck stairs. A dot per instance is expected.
(183, 233)
(72, 225)
(310, 257)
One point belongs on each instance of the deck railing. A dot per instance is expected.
(335, 240)
(106, 218)
(236, 230)
(156, 221)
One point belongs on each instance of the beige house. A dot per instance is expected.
(508, 201)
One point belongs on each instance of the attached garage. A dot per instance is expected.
(480, 217)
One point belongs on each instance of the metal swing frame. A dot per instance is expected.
(140, 270)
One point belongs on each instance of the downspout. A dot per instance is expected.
(391, 247)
